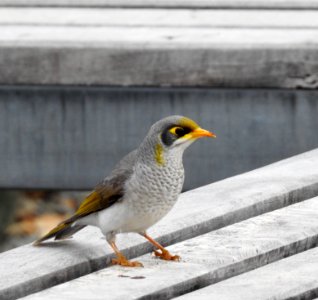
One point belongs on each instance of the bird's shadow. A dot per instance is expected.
(75, 246)
(56, 244)
(79, 249)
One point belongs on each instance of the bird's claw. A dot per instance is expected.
(126, 263)
(165, 255)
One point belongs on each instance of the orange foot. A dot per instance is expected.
(123, 261)
(165, 255)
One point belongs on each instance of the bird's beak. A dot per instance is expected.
(199, 133)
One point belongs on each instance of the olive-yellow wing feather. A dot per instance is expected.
(105, 194)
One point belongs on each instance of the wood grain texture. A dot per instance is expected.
(294, 278)
(304, 4)
(206, 259)
(197, 212)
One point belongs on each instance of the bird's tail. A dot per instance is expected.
(62, 231)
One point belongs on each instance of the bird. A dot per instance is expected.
(140, 190)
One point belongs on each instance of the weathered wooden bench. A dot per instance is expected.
(252, 236)
(75, 70)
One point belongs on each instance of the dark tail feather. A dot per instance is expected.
(52, 233)
(63, 230)
(68, 232)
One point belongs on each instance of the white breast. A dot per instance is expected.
(149, 195)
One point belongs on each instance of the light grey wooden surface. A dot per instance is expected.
(206, 259)
(294, 278)
(159, 47)
(304, 4)
(197, 212)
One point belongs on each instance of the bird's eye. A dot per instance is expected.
(171, 134)
(178, 131)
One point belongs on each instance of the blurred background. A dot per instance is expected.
(81, 82)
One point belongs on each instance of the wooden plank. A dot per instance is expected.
(300, 4)
(197, 212)
(290, 19)
(207, 259)
(122, 56)
(292, 278)
(71, 137)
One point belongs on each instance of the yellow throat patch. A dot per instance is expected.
(159, 155)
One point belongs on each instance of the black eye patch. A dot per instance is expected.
(173, 133)
(168, 138)
(181, 131)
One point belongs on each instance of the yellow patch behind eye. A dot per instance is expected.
(159, 155)
(173, 129)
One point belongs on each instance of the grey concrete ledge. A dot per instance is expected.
(197, 212)
(98, 63)
(206, 259)
(132, 47)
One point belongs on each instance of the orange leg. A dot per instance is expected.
(164, 254)
(121, 259)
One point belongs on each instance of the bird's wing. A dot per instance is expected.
(105, 194)
(109, 191)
